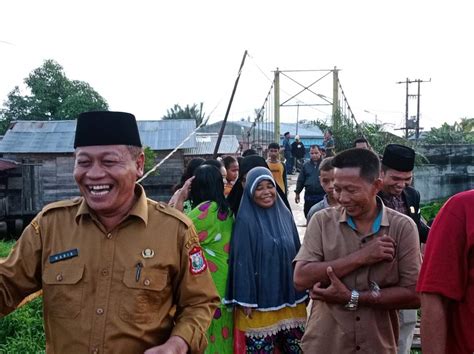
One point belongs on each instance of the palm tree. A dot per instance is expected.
(189, 112)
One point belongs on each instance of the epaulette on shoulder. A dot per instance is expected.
(165, 208)
(61, 204)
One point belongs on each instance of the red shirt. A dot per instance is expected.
(448, 268)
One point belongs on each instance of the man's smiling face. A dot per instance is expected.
(106, 177)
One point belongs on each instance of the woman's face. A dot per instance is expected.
(265, 194)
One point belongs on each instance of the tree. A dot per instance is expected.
(150, 159)
(458, 133)
(347, 131)
(189, 112)
(52, 96)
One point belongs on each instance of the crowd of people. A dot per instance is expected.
(220, 268)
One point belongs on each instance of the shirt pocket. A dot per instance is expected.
(63, 290)
(141, 301)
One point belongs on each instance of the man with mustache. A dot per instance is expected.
(120, 273)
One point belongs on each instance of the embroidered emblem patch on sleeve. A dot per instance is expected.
(197, 262)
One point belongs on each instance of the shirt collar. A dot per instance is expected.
(388, 196)
(325, 201)
(139, 209)
(380, 220)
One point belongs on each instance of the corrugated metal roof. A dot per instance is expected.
(304, 130)
(58, 136)
(205, 144)
(166, 134)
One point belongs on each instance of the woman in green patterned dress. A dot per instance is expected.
(213, 220)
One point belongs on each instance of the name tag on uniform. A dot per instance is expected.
(63, 255)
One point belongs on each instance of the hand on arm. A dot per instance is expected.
(297, 198)
(388, 298)
(309, 273)
(174, 345)
(336, 292)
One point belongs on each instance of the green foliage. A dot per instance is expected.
(189, 112)
(22, 331)
(458, 133)
(52, 97)
(430, 210)
(345, 132)
(150, 160)
(5, 247)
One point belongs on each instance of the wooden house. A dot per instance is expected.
(44, 150)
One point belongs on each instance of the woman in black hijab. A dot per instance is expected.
(235, 195)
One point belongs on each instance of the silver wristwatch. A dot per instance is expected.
(353, 303)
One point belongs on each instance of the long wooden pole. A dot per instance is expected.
(221, 132)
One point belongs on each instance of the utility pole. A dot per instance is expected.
(418, 95)
(335, 98)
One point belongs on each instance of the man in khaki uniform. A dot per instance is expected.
(361, 261)
(120, 273)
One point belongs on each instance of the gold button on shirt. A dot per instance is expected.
(98, 301)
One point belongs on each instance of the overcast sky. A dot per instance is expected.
(145, 56)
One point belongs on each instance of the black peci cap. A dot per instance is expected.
(399, 157)
(106, 128)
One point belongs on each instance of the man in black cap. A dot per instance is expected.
(398, 162)
(120, 273)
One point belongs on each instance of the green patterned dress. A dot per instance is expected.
(214, 230)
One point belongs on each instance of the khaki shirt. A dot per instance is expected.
(333, 329)
(98, 302)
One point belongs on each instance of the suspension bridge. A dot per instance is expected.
(265, 127)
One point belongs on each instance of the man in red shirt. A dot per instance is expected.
(446, 281)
